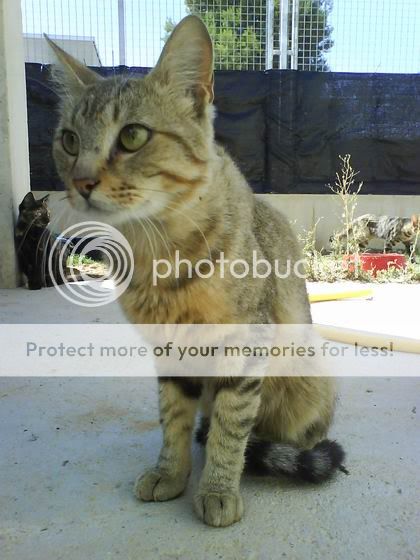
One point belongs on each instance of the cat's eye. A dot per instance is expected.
(133, 137)
(70, 142)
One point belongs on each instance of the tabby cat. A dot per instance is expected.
(34, 243)
(391, 229)
(140, 154)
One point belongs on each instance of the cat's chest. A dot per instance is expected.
(195, 302)
(33, 243)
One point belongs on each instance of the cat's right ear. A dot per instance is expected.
(28, 201)
(70, 75)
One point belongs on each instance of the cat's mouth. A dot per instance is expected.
(94, 206)
(91, 205)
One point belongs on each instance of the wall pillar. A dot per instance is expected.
(14, 151)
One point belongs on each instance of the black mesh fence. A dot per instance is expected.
(285, 129)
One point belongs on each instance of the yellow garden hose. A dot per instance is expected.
(365, 338)
(346, 294)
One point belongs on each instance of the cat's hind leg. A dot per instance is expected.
(293, 421)
(178, 401)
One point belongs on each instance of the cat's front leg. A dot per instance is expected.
(218, 501)
(389, 245)
(178, 400)
(35, 282)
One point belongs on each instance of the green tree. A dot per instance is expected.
(314, 34)
(238, 29)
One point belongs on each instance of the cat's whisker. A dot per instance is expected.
(44, 85)
(159, 191)
(165, 233)
(56, 218)
(134, 235)
(153, 235)
(194, 224)
(143, 225)
(160, 235)
(171, 243)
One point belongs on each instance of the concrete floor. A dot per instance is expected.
(71, 449)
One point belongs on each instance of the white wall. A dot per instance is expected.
(14, 153)
(302, 210)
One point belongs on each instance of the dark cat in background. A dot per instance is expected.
(34, 243)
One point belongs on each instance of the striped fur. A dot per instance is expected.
(273, 458)
(182, 192)
(392, 230)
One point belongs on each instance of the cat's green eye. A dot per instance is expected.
(70, 142)
(133, 137)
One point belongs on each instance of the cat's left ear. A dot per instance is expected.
(71, 75)
(28, 201)
(415, 220)
(186, 62)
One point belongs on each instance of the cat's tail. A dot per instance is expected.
(313, 465)
(273, 459)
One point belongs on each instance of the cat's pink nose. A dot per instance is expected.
(85, 186)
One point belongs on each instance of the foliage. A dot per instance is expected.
(347, 191)
(77, 260)
(313, 25)
(238, 29)
(321, 267)
(331, 267)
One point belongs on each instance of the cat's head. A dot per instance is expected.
(131, 147)
(34, 212)
(410, 228)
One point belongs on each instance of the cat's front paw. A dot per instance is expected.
(157, 486)
(219, 509)
(34, 286)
